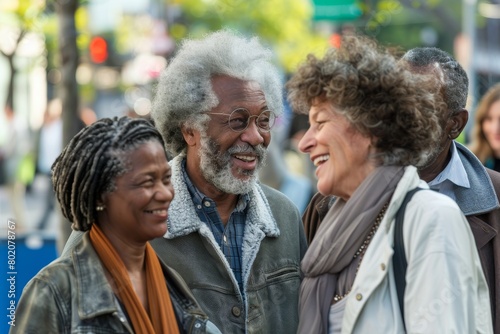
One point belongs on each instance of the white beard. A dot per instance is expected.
(215, 166)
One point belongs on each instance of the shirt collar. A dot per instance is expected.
(454, 172)
(199, 198)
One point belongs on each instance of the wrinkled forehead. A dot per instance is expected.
(233, 92)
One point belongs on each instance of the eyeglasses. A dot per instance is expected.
(239, 119)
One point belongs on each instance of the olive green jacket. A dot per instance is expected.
(273, 246)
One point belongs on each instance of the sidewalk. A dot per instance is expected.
(34, 206)
(24, 251)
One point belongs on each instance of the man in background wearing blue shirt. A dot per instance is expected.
(454, 171)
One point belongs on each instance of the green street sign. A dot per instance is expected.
(336, 10)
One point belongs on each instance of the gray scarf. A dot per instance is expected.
(342, 232)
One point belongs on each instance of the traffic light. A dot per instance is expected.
(98, 48)
(335, 40)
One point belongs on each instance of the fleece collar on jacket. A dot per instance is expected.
(183, 219)
(480, 197)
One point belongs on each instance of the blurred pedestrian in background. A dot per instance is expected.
(18, 166)
(371, 122)
(87, 115)
(49, 146)
(297, 162)
(282, 173)
(114, 184)
(277, 174)
(236, 242)
(485, 142)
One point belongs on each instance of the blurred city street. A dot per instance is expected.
(29, 248)
(34, 206)
(67, 64)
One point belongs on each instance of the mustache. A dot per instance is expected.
(260, 151)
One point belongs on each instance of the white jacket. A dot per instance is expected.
(446, 291)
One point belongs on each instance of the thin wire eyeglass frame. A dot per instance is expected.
(271, 116)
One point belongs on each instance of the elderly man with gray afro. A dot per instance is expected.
(236, 242)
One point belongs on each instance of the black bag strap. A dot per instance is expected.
(399, 259)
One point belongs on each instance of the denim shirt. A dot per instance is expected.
(72, 295)
(229, 237)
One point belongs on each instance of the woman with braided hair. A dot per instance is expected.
(113, 183)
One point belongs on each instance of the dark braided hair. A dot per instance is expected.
(88, 166)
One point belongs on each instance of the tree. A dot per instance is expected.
(68, 90)
(18, 18)
(9, 102)
(408, 23)
(285, 25)
(69, 58)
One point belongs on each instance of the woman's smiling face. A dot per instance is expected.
(137, 209)
(340, 153)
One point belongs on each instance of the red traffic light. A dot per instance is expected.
(335, 40)
(98, 50)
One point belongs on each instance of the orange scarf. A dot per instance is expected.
(162, 317)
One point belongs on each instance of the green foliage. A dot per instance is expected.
(405, 22)
(23, 14)
(285, 25)
(39, 17)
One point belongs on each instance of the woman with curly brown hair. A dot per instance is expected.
(371, 122)
(486, 133)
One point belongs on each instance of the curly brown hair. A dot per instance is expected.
(377, 94)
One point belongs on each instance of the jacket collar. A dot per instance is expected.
(96, 298)
(480, 197)
(183, 220)
(409, 181)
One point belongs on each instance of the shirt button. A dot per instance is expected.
(382, 266)
(359, 296)
(207, 204)
(198, 207)
(197, 325)
(236, 311)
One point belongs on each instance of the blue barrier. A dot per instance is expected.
(21, 258)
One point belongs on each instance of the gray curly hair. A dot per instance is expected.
(377, 95)
(184, 93)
